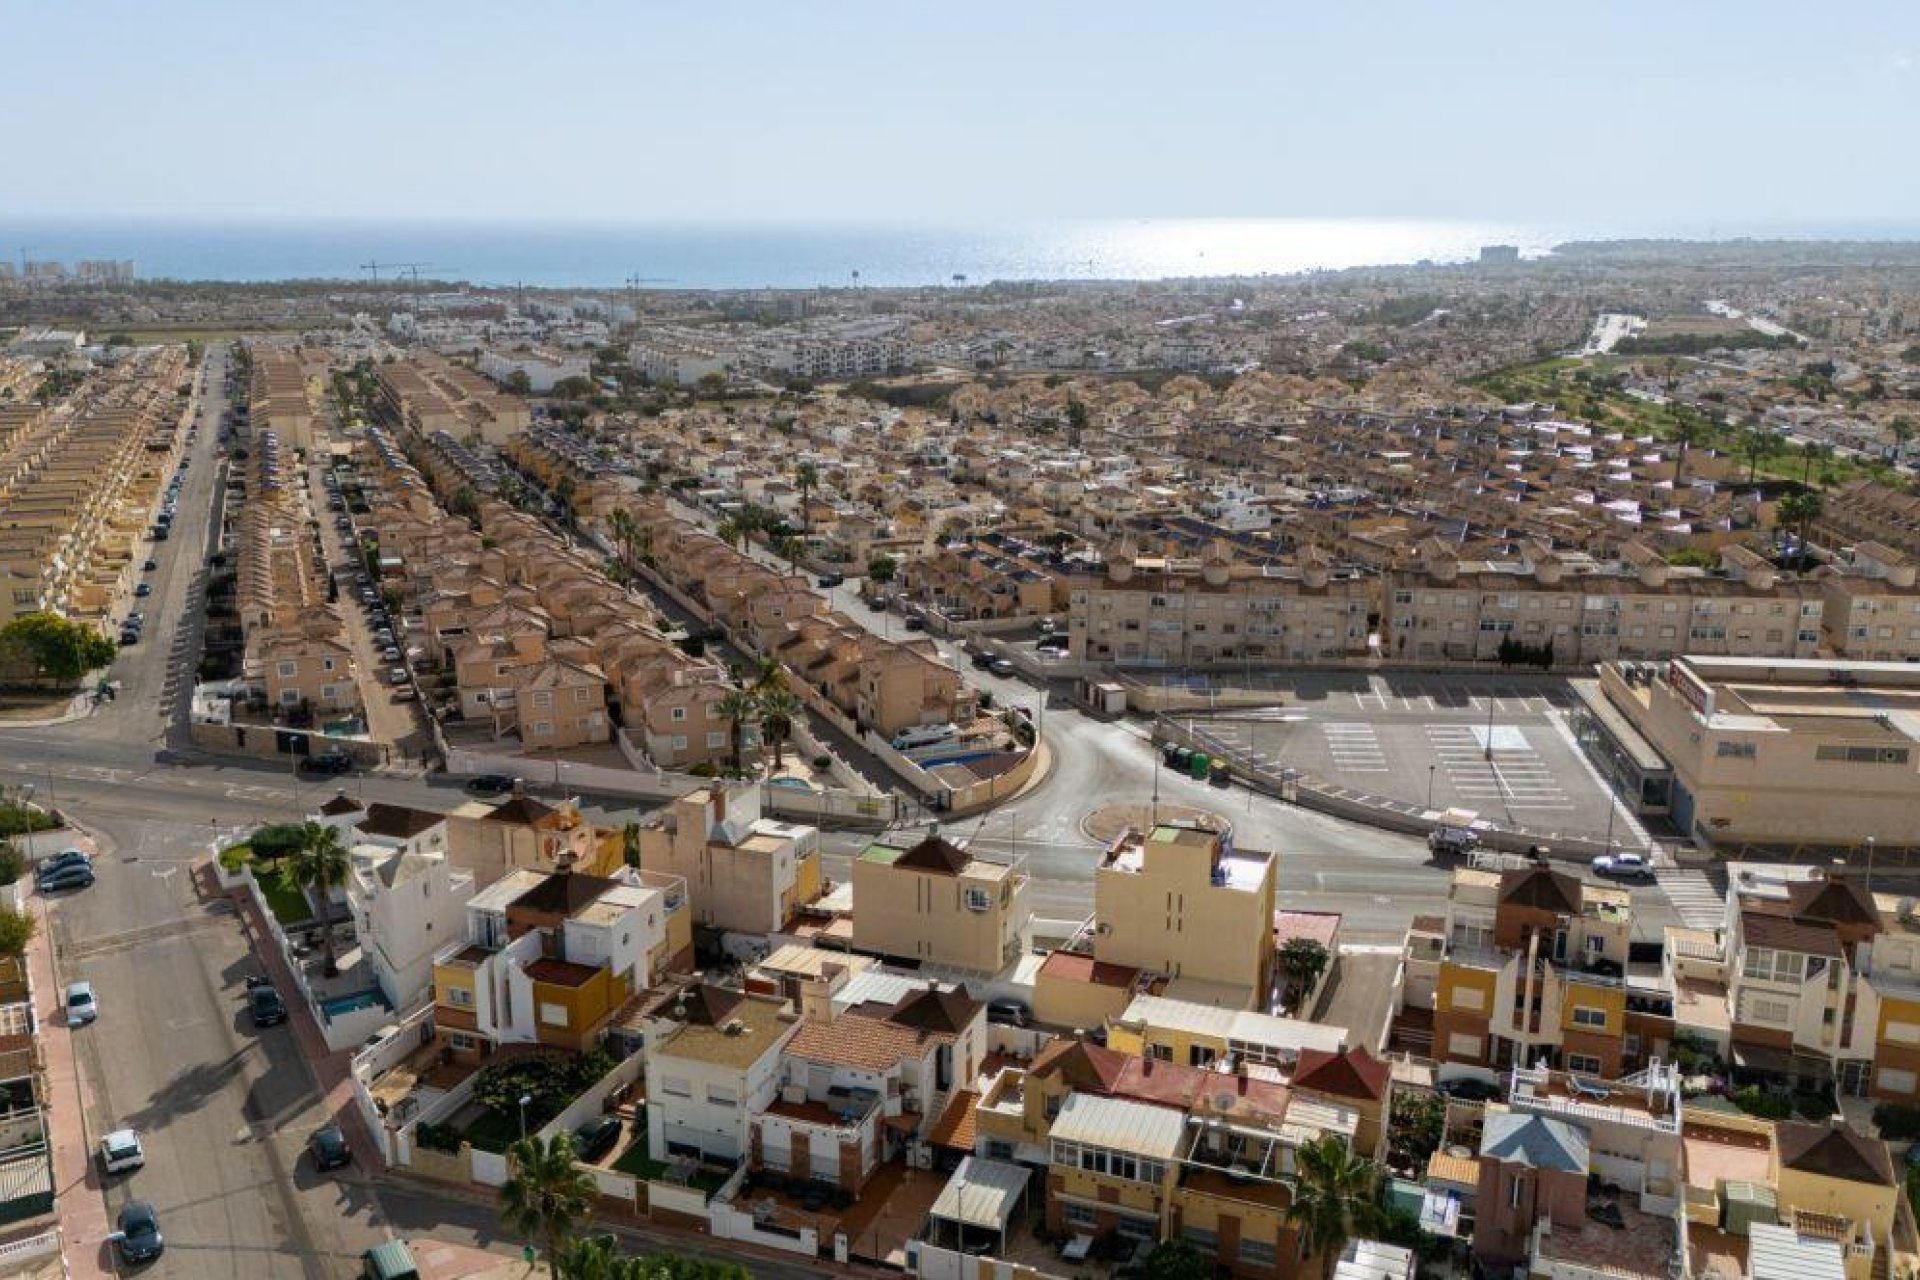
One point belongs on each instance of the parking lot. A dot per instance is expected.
(1501, 749)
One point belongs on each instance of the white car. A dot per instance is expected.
(1623, 866)
(83, 1006)
(121, 1152)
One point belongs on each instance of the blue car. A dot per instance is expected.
(138, 1239)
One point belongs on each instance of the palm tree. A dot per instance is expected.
(630, 844)
(773, 675)
(621, 526)
(1758, 444)
(778, 710)
(1333, 1197)
(736, 708)
(318, 865)
(547, 1194)
(731, 532)
(806, 476)
(1800, 510)
(1303, 961)
(1685, 429)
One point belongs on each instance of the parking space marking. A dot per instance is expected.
(1512, 773)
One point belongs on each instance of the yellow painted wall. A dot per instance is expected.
(1613, 1001)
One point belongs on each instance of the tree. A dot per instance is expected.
(1333, 1198)
(1176, 1260)
(806, 476)
(1800, 510)
(736, 708)
(712, 386)
(778, 711)
(1812, 451)
(519, 383)
(1303, 961)
(16, 931)
(1758, 444)
(319, 864)
(1902, 429)
(464, 503)
(731, 532)
(58, 651)
(547, 1195)
(882, 569)
(574, 388)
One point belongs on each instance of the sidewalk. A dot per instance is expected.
(78, 1200)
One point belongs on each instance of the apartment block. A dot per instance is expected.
(1872, 605)
(428, 393)
(1163, 611)
(935, 903)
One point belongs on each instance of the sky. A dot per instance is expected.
(960, 113)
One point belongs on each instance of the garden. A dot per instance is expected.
(494, 1120)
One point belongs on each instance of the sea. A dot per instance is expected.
(606, 255)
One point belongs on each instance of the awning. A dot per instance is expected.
(982, 1193)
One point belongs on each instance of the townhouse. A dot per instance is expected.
(404, 891)
(713, 1065)
(428, 393)
(744, 873)
(548, 960)
(1530, 965)
(934, 903)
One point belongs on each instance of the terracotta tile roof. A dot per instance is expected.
(1759, 929)
(1089, 1067)
(397, 821)
(342, 803)
(561, 973)
(1073, 966)
(1543, 889)
(1353, 1074)
(1321, 926)
(1833, 1151)
(954, 1130)
(948, 1012)
(862, 1043)
(1834, 900)
(935, 854)
(563, 894)
(522, 809)
(1166, 1084)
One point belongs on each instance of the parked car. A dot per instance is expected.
(266, 1006)
(916, 624)
(1623, 866)
(329, 1148)
(397, 675)
(150, 566)
(128, 638)
(328, 762)
(121, 1152)
(1012, 1013)
(1467, 1089)
(1003, 667)
(83, 1005)
(490, 784)
(144, 589)
(594, 1139)
(65, 858)
(390, 654)
(78, 876)
(831, 579)
(981, 661)
(138, 1238)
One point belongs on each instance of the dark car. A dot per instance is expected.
(328, 762)
(76, 876)
(981, 661)
(268, 1009)
(916, 624)
(1468, 1090)
(138, 1238)
(60, 862)
(329, 1148)
(1010, 1013)
(150, 566)
(592, 1140)
(490, 784)
(829, 580)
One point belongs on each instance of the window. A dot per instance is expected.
(1863, 755)
(1080, 1216)
(721, 1096)
(1469, 999)
(1771, 1010)
(715, 741)
(1889, 1080)
(1200, 1238)
(978, 899)
(677, 714)
(460, 997)
(1766, 965)
(288, 670)
(1463, 1046)
(1513, 1193)
(543, 698)
(581, 694)
(460, 1041)
(1258, 1253)
(543, 728)
(1903, 1033)
(1588, 1016)
(553, 1015)
(1734, 750)
(1585, 1062)
(676, 1086)
(998, 1150)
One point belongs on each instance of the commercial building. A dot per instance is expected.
(1764, 751)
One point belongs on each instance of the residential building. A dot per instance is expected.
(1182, 901)
(405, 893)
(713, 1064)
(934, 903)
(745, 873)
(1872, 605)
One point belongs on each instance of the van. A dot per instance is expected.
(389, 1261)
(925, 735)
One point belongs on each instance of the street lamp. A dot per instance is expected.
(1489, 728)
(1870, 847)
(525, 1100)
(1430, 769)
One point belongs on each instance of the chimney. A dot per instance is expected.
(816, 1001)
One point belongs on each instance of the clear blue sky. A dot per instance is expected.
(611, 111)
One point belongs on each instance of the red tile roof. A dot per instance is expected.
(1072, 966)
(1353, 1074)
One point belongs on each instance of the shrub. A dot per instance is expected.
(823, 762)
(438, 1137)
(17, 818)
(234, 857)
(1757, 1102)
(12, 865)
(1899, 1121)
(276, 841)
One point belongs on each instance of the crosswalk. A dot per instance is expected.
(1512, 774)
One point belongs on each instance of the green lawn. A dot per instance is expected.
(289, 906)
(636, 1162)
(493, 1131)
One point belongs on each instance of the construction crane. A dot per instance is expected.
(635, 280)
(375, 268)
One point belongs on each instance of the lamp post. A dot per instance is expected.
(1871, 842)
(1489, 728)
(525, 1100)
(1430, 769)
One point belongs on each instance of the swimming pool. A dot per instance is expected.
(354, 1003)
